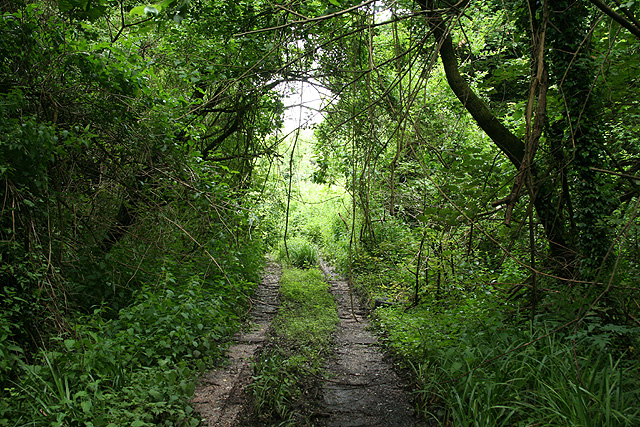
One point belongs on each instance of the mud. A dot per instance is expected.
(363, 389)
(221, 396)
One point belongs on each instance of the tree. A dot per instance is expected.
(572, 201)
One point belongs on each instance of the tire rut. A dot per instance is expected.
(220, 396)
(362, 390)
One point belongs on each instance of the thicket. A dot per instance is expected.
(137, 367)
(511, 287)
(497, 326)
(477, 356)
(127, 245)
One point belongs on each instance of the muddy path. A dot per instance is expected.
(362, 390)
(221, 396)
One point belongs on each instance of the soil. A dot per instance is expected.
(362, 388)
(221, 396)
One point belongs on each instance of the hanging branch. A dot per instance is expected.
(419, 262)
(235, 125)
(123, 25)
(631, 23)
(290, 184)
(308, 20)
(507, 142)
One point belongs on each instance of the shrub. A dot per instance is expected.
(302, 253)
(135, 369)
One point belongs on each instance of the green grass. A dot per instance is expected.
(302, 338)
(308, 312)
(302, 253)
(545, 384)
(475, 367)
(481, 372)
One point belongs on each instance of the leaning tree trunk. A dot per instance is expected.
(519, 152)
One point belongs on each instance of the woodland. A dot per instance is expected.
(473, 169)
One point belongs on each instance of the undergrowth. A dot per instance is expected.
(134, 368)
(475, 365)
(298, 252)
(450, 307)
(476, 361)
(287, 373)
(511, 377)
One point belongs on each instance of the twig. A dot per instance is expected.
(201, 247)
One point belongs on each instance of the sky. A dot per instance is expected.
(303, 105)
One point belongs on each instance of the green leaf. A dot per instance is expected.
(335, 2)
(15, 348)
(86, 406)
(517, 115)
(151, 10)
(138, 10)
(65, 5)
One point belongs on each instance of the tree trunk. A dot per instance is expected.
(512, 146)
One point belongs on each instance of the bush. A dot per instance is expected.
(136, 369)
(302, 253)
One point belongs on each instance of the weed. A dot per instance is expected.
(135, 369)
(303, 335)
(274, 385)
(547, 383)
(302, 253)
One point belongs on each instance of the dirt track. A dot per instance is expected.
(221, 396)
(362, 388)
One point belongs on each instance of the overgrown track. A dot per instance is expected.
(221, 396)
(363, 390)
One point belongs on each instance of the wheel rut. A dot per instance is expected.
(362, 390)
(221, 397)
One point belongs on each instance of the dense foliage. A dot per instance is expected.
(476, 170)
(127, 242)
(492, 202)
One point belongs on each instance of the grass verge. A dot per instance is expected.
(483, 371)
(289, 371)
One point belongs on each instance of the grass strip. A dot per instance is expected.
(288, 373)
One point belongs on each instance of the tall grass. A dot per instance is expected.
(301, 253)
(548, 384)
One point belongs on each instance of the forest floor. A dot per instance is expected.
(362, 388)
